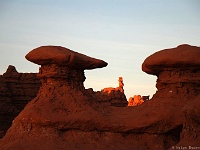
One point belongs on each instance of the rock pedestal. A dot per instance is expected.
(17, 89)
(54, 74)
(178, 84)
(178, 72)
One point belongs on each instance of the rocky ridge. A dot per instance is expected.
(87, 124)
(16, 90)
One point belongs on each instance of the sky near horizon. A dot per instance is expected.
(120, 32)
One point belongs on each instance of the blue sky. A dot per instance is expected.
(121, 32)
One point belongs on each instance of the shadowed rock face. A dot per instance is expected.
(63, 115)
(16, 90)
(20, 87)
(191, 127)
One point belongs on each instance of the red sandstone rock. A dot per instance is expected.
(183, 56)
(177, 79)
(190, 135)
(64, 116)
(63, 56)
(178, 83)
(22, 87)
(16, 90)
(136, 100)
(109, 98)
(7, 110)
(112, 96)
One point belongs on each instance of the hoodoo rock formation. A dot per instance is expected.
(17, 89)
(178, 84)
(64, 115)
(178, 72)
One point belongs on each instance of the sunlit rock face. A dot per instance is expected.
(111, 96)
(135, 101)
(178, 72)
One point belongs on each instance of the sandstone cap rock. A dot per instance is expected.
(63, 56)
(181, 56)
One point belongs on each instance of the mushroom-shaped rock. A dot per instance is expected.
(178, 72)
(181, 56)
(60, 65)
(64, 57)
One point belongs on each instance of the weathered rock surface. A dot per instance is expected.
(62, 56)
(183, 56)
(111, 96)
(136, 100)
(190, 135)
(178, 72)
(21, 87)
(16, 90)
(178, 83)
(65, 116)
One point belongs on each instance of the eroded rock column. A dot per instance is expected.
(53, 74)
(178, 83)
(177, 70)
